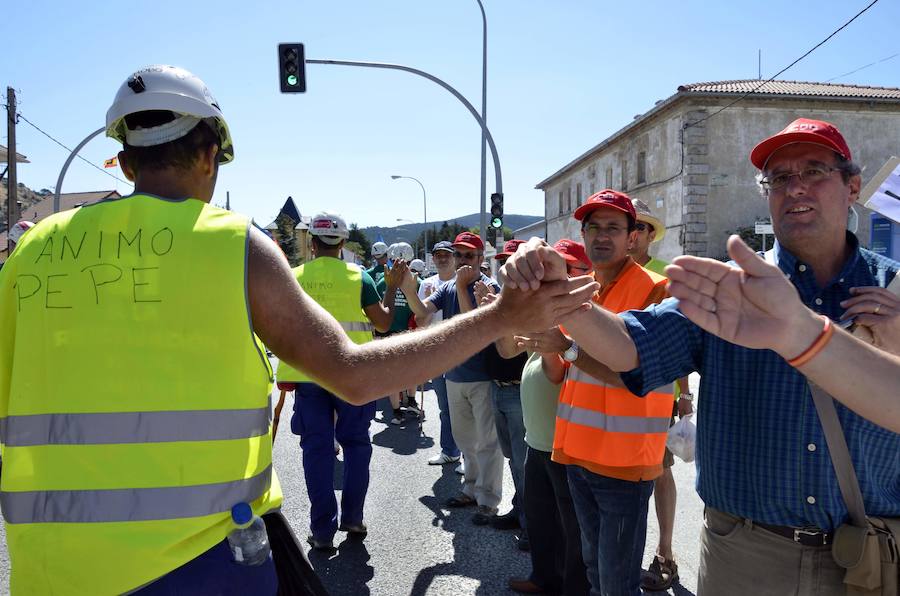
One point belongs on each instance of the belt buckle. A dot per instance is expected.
(800, 532)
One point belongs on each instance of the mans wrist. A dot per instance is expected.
(801, 336)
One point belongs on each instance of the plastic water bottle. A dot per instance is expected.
(248, 541)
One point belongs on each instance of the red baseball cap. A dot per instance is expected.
(572, 252)
(606, 198)
(801, 130)
(509, 248)
(469, 240)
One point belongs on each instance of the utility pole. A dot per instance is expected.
(12, 196)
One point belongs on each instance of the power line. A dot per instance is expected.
(863, 67)
(811, 50)
(90, 163)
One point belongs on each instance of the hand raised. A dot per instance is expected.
(551, 341)
(530, 310)
(533, 263)
(466, 275)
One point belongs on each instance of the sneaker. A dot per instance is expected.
(412, 407)
(460, 500)
(483, 515)
(398, 417)
(442, 458)
(461, 468)
(320, 545)
(359, 529)
(507, 521)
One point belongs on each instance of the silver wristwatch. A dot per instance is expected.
(686, 396)
(571, 354)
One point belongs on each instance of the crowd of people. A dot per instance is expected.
(122, 464)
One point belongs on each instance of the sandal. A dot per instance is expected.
(660, 576)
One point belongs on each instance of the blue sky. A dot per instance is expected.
(562, 76)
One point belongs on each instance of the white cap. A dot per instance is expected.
(417, 265)
(166, 88)
(379, 249)
(401, 250)
(18, 229)
(330, 228)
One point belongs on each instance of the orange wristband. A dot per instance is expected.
(815, 347)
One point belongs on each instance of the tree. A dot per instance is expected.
(365, 247)
(447, 232)
(286, 239)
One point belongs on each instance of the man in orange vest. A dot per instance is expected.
(612, 440)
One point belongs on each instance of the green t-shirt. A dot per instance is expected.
(376, 272)
(402, 311)
(370, 293)
(539, 401)
(656, 266)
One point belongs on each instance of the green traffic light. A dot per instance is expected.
(292, 80)
(496, 222)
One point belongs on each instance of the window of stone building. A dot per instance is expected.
(642, 168)
(561, 203)
(568, 199)
(609, 177)
(592, 188)
(578, 198)
(624, 175)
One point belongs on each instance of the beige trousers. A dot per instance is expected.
(740, 559)
(472, 420)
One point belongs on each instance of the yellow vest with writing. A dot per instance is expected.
(337, 287)
(608, 430)
(134, 395)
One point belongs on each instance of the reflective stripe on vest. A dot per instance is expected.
(613, 424)
(603, 427)
(135, 395)
(133, 427)
(337, 287)
(131, 504)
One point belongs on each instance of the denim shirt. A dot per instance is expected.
(761, 451)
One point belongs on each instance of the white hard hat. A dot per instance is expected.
(330, 228)
(417, 265)
(401, 250)
(379, 249)
(18, 229)
(167, 88)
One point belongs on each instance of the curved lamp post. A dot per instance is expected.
(424, 206)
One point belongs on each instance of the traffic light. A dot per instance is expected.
(291, 68)
(497, 210)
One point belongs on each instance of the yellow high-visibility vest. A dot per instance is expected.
(134, 395)
(337, 287)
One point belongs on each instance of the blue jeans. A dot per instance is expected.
(448, 445)
(313, 420)
(507, 406)
(215, 572)
(612, 514)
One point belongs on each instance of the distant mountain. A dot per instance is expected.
(408, 232)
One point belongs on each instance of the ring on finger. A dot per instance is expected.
(877, 308)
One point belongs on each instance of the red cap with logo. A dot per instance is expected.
(801, 130)
(606, 198)
(509, 248)
(469, 240)
(572, 252)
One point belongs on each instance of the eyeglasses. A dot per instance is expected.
(808, 175)
(641, 227)
(466, 256)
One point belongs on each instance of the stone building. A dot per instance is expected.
(687, 157)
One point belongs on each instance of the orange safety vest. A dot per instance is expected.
(608, 430)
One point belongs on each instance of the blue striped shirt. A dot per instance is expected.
(761, 451)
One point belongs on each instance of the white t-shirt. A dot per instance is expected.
(430, 285)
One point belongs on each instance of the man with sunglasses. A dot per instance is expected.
(469, 384)
(763, 468)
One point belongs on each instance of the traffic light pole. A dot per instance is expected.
(433, 79)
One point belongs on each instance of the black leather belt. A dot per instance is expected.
(507, 383)
(804, 536)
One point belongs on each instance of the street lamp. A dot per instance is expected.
(424, 207)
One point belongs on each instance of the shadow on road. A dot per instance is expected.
(347, 571)
(404, 439)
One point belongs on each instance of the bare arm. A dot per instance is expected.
(307, 337)
(554, 367)
(464, 276)
(603, 335)
(382, 313)
(422, 310)
(554, 342)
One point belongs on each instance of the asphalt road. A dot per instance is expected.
(415, 545)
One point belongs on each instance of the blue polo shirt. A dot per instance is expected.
(761, 451)
(444, 298)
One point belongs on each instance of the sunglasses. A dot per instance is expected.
(643, 227)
